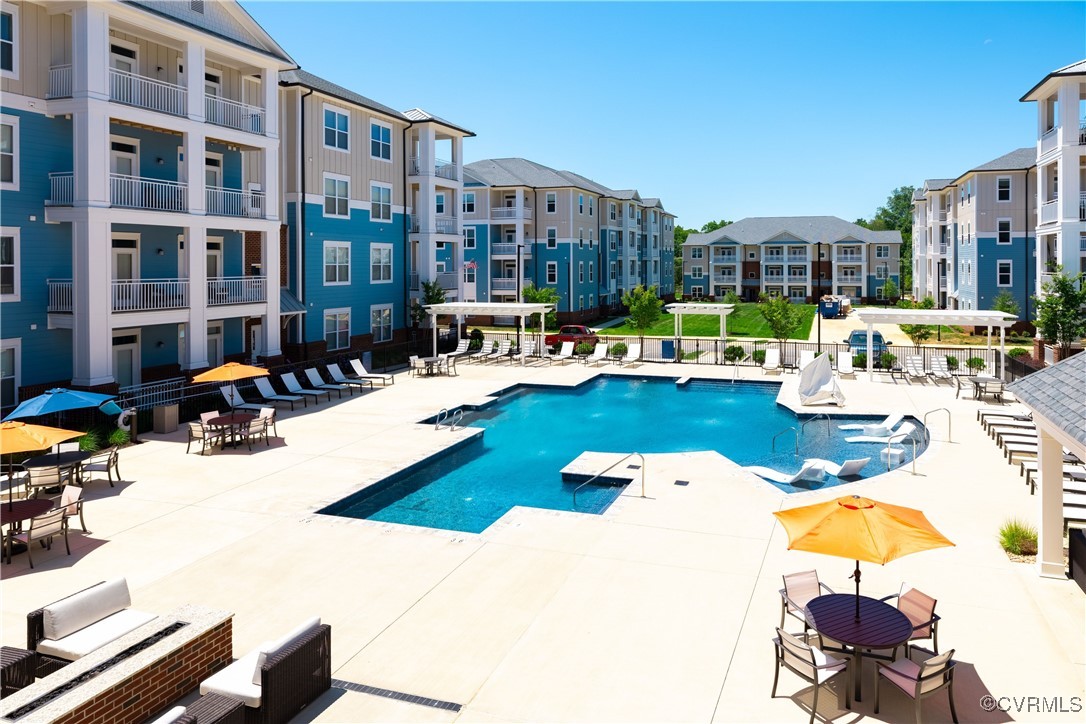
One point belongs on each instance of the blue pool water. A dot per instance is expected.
(532, 433)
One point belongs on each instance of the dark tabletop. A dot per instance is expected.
(23, 509)
(237, 418)
(881, 626)
(50, 460)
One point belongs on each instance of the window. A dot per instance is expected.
(9, 27)
(552, 238)
(441, 267)
(381, 322)
(469, 203)
(696, 272)
(469, 274)
(591, 238)
(655, 241)
(591, 206)
(380, 202)
(882, 251)
(580, 303)
(697, 252)
(1004, 273)
(10, 360)
(380, 141)
(611, 211)
(552, 272)
(9, 264)
(337, 195)
(614, 244)
(633, 268)
(580, 238)
(580, 272)
(9, 153)
(381, 263)
(655, 266)
(337, 263)
(336, 129)
(613, 271)
(591, 301)
(1003, 231)
(881, 272)
(591, 271)
(580, 203)
(750, 254)
(469, 237)
(629, 211)
(439, 204)
(696, 292)
(337, 328)
(552, 202)
(880, 292)
(1003, 188)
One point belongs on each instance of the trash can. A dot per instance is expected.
(165, 418)
(667, 349)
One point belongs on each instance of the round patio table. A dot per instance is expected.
(15, 512)
(233, 421)
(880, 626)
(51, 460)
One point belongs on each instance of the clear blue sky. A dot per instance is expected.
(723, 110)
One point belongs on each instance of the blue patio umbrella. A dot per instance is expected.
(60, 399)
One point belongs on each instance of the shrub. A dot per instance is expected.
(759, 356)
(951, 362)
(1019, 352)
(887, 360)
(476, 337)
(91, 441)
(119, 437)
(584, 348)
(734, 353)
(731, 298)
(1018, 537)
(975, 363)
(859, 361)
(619, 348)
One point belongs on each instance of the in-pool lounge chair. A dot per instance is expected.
(847, 469)
(813, 469)
(362, 373)
(295, 388)
(881, 429)
(268, 393)
(772, 360)
(566, 353)
(901, 434)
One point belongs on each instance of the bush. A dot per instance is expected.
(733, 354)
(887, 360)
(759, 356)
(731, 298)
(951, 362)
(119, 438)
(91, 441)
(1019, 352)
(584, 348)
(1018, 538)
(975, 363)
(476, 337)
(859, 361)
(619, 349)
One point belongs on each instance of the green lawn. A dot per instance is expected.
(745, 321)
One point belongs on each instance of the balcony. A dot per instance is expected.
(231, 114)
(438, 225)
(234, 202)
(506, 249)
(797, 258)
(511, 212)
(1082, 207)
(134, 192)
(148, 295)
(1049, 211)
(802, 277)
(1082, 132)
(723, 258)
(61, 189)
(444, 169)
(942, 282)
(142, 92)
(503, 284)
(725, 279)
(773, 278)
(236, 290)
(849, 258)
(1050, 140)
(773, 259)
(942, 215)
(60, 82)
(942, 248)
(60, 295)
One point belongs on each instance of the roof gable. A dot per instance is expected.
(224, 18)
(1055, 393)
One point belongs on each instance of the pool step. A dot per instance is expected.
(588, 464)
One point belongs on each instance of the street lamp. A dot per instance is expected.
(818, 295)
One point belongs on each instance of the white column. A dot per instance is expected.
(1050, 501)
(523, 339)
(196, 251)
(1002, 351)
(90, 52)
(92, 338)
(195, 62)
(870, 352)
(270, 91)
(271, 328)
(270, 182)
(90, 155)
(195, 151)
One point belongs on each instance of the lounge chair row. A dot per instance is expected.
(494, 351)
(360, 377)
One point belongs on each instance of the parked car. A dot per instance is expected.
(576, 333)
(857, 342)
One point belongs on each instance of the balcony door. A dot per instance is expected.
(124, 156)
(126, 270)
(216, 200)
(212, 91)
(214, 344)
(126, 357)
(217, 289)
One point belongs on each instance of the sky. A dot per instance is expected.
(722, 110)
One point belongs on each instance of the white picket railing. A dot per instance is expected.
(137, 90)
(60, 82)
(506, 249)
(232, 114)
(236, 290)
(143, 295)
(1050, 211)
(849, 258)
(134, 192)
(511, 212)
(797, 258)
(1049, 140)
(60, 295)
(446, 169)
(61, 189)
(724, 279)
(234, 202)
(445, 224)
(503, 284)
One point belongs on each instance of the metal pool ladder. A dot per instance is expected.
(784, 432)
(928, 429)
(610, 468)
(829, 421)
(453, 419)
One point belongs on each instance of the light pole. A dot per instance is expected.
(818, 294)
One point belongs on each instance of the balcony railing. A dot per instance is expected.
(134, 192)
(60, 295)
(724, 258)
(137, 90)
(231, 114)
(511, 212)
(797, 277)
(144, 295)
(942, 282)
(797, 258)
(234, 202)
(850, 258)
(439, 225)
(504, 284)
(505, 249)
(448, 280)
(942, 215)
(847, 279)
(1046, 277)
(236, 290)
(1049, 140)
(773, 259)
(1082, 132)
(61, 189)
(774, 278)
(942, 248)
(725, 279)
(60, 82)
(1050, 211)
(1082, 207)
(444, 169)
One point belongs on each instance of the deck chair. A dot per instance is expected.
(919, 608)
(914, 369)
(599, 354)
(317, 382)
(812, 469)
(772, 360)
(235, 400)
(844, 365)
(268, 393)
(103, 461)
(633, 355)
(40, 481)
(486, 349)
(43, 528)
(362, 373)
(880, 429)
(802, 655)
(900, 435)
(461, 348)
(940, 370)
(339, 378)
(566, 353)
(919, 681)
(847, 469)
(71, 502)
(526, 350)
(293, 387)
(799, 589)
(503, 351)
(806, 357)
(543, 353)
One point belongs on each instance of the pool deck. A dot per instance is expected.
(662, 609)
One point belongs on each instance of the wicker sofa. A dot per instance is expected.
(279, 678)
(73, 627)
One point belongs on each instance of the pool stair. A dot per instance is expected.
(588, 465)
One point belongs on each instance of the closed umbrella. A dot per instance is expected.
(861, 529)
(59, 399)
(16, 437)
(230, 372)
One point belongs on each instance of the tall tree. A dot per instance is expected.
(1005, 302)
(644, 308)
(782, 317)
(897, 215)
(1060, 318)
(680, 239)
(713, 226)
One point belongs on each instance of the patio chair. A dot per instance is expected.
(812, 470)
(503, 351)
(599, 354)
(461, 348)
(633, 355)
(879, 429)
(208, 436)
(61, 447)
(447, 362)
(254, 430)
(920, 610)
(362, 373)
(416, 365)
(268, 393)
(103, 461)
(71, 503)
(268, 414)
(564, 354)
(810, 663)
(42, 480)
(526, 350)
(339, 378)
(295, 388)
(481, 353)
(772, 360)
(799, 589)
(42, 529)
(940, 370)
(317, 382)
(844, 365)
(543, 353)
(995, 389)
(806, 357)
(235, 400)
(902, 433)
(15, 485)
(921, 680)
(914, 369)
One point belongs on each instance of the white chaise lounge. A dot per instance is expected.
(880, 429)
(902, 433)
(813, 469)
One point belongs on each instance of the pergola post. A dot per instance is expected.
(1002, 353)
(1050, 499)
(433, 330)
(870, 352)
(523, 338)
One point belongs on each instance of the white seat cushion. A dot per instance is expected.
(236, 681)
(95, 636)
(67, 616)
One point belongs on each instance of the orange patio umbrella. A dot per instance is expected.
(861, 529)
(16, 437)
(230, 372)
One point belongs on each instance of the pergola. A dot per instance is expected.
(512, 309)
(678, 309)
(980, 318)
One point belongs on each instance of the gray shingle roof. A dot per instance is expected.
(813, 229)
(522, 172)
(1016, 160)
(625, 194)
(1076, 68)
(308, 80)
(417, 114)
(937, 184)
(1056, 394)
(227, 20)
(918, 194)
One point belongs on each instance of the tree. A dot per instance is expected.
(1005, 302)
(713, 226)
(644, 308)
(926, 303)
(918, 333)
(680, 239)
(890, 290)
(432, 293)
(897, 215)
(1060, 318)
(781, 316)
(541, 295)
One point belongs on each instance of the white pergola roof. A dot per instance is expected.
(721, 310)
(510, 309)
(979, 318)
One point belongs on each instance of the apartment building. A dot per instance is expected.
(140, 179)
(561, 230)
(973, 236)
(799, 257)
(1060, 157)
(370, 213)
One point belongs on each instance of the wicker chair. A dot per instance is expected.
(920, 680)
(103, 461)
(807, 661)
(799, 589)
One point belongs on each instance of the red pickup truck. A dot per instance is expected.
(576, 333)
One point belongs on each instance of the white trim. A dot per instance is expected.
(391, 138)
(15, 343)
(12, 121)
(324, 330)
(391, 322)
(391, 208)
(128, 141)
(550, 238)
(547, 202)
(137, 358)
(339, 110)
(329, 244)
(324, 206)
(1010, 272)
(135, 60)
(1010, 190)
(16, 294)
(472, 238)
(552, 266)
(375, 246)
(1010, 231)
(14, 11)
(464, 202)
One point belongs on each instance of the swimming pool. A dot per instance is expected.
(531, 433)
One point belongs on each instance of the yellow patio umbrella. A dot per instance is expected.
(861, 529)
(230, 372)
(16, 437)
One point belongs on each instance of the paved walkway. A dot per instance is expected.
(662, 609)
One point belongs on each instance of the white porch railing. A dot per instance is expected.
(232, 114)
(134, 192)
(445, 224)
(771, 278)
(1047, 277)
(446, 169)
(797, 258)
(797, 277)
(236, 290)
(448, 280)
(849, 258)
(1050, 211)
(61, 189)
(503, 284)
(234, 202)
(1049, 140)
(137, 90)
(1082, 132)
(942, 248)
(724, 259)
(143, 295)
(942, 215)
(504, 249)
(724, 280)
(511, 212)
(1082, 207)
(60, 82)
(942, 282)
(60, 295)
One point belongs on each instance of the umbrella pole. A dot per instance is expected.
(856, 575)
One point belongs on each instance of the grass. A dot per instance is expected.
(1018, 538)
(958, 336)
(745, 321)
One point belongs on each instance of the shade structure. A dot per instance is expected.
(16, 437)
(58, 399)
(861, 529)
(230, 372)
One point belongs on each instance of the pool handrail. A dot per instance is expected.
(612, 467)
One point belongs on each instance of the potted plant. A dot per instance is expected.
(859, 361)
(476, 339)
(619, 350)
(758, 356)
(733, 354)
(975, 364)
(951, 363)
(887, 360)
(583, 349)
